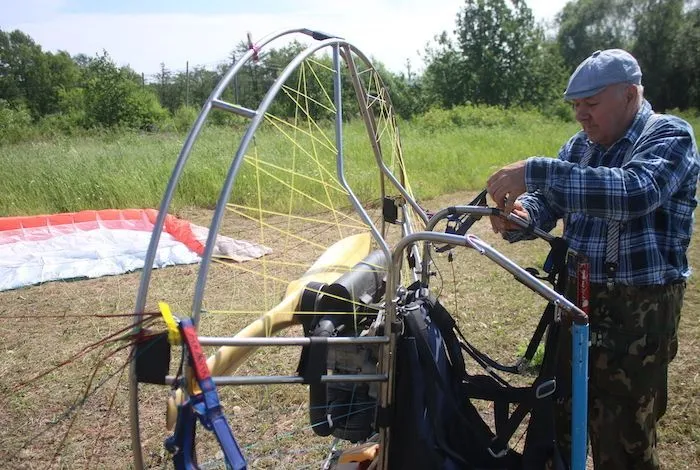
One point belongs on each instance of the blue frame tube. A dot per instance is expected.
(579, 406)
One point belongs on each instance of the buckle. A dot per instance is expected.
(545, 389)
(571, 257)
(610, 270)
(500, 454)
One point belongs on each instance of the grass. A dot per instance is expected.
(127, 170)
(132, 169)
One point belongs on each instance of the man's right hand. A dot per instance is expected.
(501, 225)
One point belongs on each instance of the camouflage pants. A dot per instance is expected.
(633, 339)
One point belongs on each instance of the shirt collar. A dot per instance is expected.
(640, 120)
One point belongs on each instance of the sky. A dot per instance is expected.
(145, 33)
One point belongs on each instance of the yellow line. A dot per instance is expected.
(279, 230)
(292, 172)
(330, 208)
(360, 224)
(289, 91)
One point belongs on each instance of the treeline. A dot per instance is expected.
(497, 55)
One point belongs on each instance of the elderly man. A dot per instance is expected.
(625, 188)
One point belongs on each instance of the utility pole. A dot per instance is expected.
(187, 83)
(162, 83)
(235, 78)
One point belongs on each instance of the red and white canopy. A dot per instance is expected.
(90, 244)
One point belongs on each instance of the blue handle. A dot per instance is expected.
(579, 407)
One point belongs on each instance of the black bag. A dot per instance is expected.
(434, 424)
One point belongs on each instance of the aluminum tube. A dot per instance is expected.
(145, 279)
(228, 341)
(289, 379)
(371, 129)
(526, 278)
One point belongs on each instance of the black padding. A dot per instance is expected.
(152, 356)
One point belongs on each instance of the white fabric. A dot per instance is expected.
(92, 249)
(228, 248)
(80, 254)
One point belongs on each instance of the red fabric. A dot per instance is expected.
(131, 219)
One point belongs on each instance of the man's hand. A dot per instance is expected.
(501, 225)
(507, 184)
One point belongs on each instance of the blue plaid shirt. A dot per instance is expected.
(653, 196)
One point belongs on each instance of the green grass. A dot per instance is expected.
(445, 151)
(463, 159)
(132, 169)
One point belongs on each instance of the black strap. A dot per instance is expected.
(313, 358)
(459, 225)
(536, 399)
(313, 361)
(555, 266)
(417, 326)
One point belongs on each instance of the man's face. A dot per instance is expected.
(606, 116)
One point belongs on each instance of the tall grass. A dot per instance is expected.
(445, 151)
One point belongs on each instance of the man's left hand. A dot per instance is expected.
(507, 184)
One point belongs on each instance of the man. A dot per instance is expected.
(625, 188)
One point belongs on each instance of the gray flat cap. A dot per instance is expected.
(601, 69)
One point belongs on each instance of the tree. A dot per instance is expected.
(30, 77)
(202, 82)
(655, 35)
(445, 75)
(170, 88)
(588, 25)
(687, 65)
(114, 98)
(545, 80)
(499, 57)
(663, 35)
(406, 92)
(64, 76)
(497, 41)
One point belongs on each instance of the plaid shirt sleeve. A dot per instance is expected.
(661, 162)
(541, 213)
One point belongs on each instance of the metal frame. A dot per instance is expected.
(340, 48)
(256, 116)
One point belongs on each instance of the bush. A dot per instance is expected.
(143, 110)
(114, 99)
(690, 114)
(184, 117)
(223, 118)
(437, 120)
(560, 110)
(62, 123)
(15, 123)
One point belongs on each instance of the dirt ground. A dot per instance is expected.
(74, 417)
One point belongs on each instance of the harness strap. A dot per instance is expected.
(555, 266)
